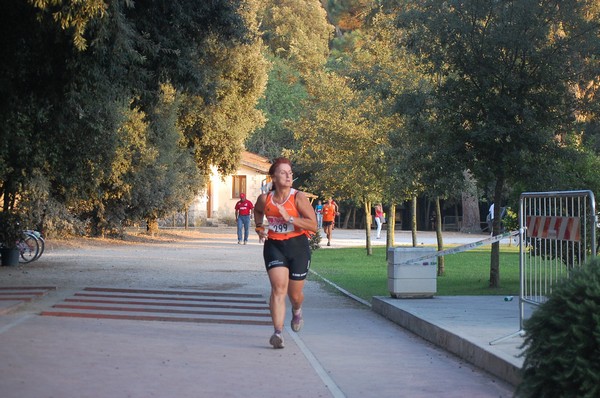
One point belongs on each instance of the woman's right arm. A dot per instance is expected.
(259, 209)
(259, 215)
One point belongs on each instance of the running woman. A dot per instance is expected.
(286, 251)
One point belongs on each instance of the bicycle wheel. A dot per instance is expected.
(41, 242)
(42, 246)
(29, 246)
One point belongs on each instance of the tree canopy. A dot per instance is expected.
(83, 97)
(509, 71)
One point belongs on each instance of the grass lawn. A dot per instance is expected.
(466, 273)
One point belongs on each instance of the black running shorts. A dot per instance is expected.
(293, 253)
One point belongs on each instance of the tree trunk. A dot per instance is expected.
(152, 226)
(427, 214)
(368, 226)
(495, 255)
(440, 240)
(346, 219)
(413, 220)
(471, 220)
(391, 228)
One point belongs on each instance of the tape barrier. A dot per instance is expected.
(463, 248)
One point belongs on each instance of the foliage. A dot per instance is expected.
(11, 229)
(82, 97)
(507, 76)
(340, 140)
(510, 220)
(59, 222)
(315, 241)
(281, 103)
(171, 176)
(348, 15)
(217, 128)
(296, 35)
(561, 339)
(297, 31)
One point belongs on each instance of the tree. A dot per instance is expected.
(172, 175)
(348, 15)
(471, 220)
(298, 32)
(297, 37)
(341, 143)
(217, 128)
(509, 70)
(280, 104)
(86, 81)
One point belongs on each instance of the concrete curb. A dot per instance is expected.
(451, 342)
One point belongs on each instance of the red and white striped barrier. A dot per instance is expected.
(559, 228)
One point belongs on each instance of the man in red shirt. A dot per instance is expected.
(242, 215)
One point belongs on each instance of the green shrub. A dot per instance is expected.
(59, 222)
(315, 241)
(562, 340)
(510, 220)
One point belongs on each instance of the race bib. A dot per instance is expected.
(280, 226)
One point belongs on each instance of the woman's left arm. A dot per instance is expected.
(308, 219)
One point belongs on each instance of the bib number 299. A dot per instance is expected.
(280, 226)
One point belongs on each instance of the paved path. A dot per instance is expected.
(188, 320)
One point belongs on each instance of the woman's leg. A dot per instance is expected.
(296, 294)
(279, 278)
(378, 221)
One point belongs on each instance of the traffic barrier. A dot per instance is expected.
(557, 233)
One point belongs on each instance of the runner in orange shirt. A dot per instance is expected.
(286, 251)
(329, 213)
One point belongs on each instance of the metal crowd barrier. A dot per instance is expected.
(557, 232)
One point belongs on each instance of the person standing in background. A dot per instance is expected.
(319, 213)
(490, 219)
(378, 218)
(286, 251)
(242, 215)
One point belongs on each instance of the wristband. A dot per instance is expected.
(259, 225)
(259, 229)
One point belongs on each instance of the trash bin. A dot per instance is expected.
(412, 280)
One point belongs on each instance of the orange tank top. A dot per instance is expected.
(279, 229)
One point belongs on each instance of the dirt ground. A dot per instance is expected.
(203, 258)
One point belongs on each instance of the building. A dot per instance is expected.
(217, 203)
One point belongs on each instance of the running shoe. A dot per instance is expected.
(276, 340)
(297, 321)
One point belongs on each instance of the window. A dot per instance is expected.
(239, 186)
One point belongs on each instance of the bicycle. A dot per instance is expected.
(41, 241)
(31, 246)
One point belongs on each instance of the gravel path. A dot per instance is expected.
(208, 259)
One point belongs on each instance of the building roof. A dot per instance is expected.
(255, 162)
